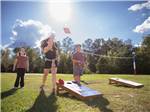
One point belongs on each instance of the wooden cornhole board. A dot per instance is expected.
(82, 92)
(125, 82)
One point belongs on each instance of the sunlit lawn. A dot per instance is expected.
(115, 98)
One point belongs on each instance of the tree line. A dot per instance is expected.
(105, 60)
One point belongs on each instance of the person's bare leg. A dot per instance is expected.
(46, 71)
(78, 79)
(54, 71)
(75, 78)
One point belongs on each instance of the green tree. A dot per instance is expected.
(6, 60)
(143, 56)
(67, 45)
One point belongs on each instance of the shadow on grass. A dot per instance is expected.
(100, 102)
(125, 86)
(8, 93)
(44, 103)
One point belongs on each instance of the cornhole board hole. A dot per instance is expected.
(125, 82)
(90, 82)
(82, 92)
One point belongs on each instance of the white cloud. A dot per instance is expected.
(145, 26)
(28, 33)
(137, 7)
(14, 33)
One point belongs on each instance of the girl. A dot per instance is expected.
(50, 51)
(22, 64)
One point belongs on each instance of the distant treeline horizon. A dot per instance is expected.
(101, 63)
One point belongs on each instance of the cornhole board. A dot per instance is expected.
(82, 92)
(125, 82)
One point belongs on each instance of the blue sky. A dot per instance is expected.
(88, 20)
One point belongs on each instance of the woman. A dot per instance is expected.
(50, 51)
(22, 64)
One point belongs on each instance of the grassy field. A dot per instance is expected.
(115, 98)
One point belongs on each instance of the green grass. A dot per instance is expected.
(115, 98)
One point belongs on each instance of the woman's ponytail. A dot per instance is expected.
(44, 43)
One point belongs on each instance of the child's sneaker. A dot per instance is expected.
(78, 84)
(22, 87)
(15, 88)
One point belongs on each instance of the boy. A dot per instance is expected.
(78, 64)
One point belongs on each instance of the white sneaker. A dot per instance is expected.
(15, 88)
